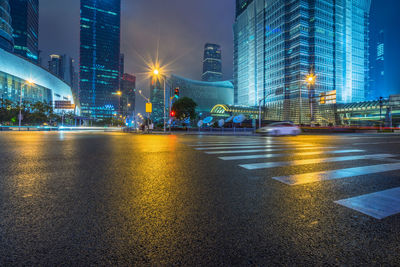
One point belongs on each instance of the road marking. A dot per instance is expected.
(239, 144)
(267, 156)
(378, 205)
(266, 165)
(241, 147)
(264, 150)
(377, 143)
(307, 178)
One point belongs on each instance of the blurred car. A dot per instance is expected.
(280, 128)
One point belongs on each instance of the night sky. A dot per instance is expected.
(182, 27)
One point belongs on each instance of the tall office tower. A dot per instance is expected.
(25, 22)
(99, 64)
(62, 66)
(277, 43)
(6, 40)
(212, 63)
(157, 99)
(128, 86)
(378, 67)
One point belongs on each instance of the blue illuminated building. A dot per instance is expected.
(99, 57)
(25, 23)
(6, 40)
(212, 63)
(277, 43)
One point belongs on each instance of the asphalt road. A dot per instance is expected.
(125, 199)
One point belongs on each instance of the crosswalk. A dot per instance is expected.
(275, 154)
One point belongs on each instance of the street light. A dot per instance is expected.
(310, 80)
(28, 82)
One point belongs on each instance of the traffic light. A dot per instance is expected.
(177, 92)
(172, 114)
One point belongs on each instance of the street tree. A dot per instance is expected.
(184, 108)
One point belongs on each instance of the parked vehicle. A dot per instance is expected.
(280, 128)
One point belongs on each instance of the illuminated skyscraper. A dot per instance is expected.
(378, 67)
(99, 57)
(279, 42)
(6, 40)
(25, 23)
(212, 63)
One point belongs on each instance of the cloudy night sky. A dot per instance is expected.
(182, 27)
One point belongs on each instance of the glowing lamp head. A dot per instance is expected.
(156, 72)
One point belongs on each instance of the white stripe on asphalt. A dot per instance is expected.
(377, 143)
(378, 205)
(266, 165)
(239, 144)
(267, 156)
(313, 177)
(241, 147)
(264, 150)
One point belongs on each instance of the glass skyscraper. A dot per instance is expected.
(212, 63)
(25, 23)
(99, 57)
(279, 42)
(6, 40)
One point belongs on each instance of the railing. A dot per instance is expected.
(60, 128)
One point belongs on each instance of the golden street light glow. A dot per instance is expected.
(311, 78)
(156, 72)
(119, 93)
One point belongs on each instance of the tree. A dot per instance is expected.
(184, 108)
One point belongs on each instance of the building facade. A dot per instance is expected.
(377, 67)
(278, 43)
(62, 66)
(212, 63)
(99, 65)
(205, 94)
(25, 23)
(20, 77)
(6, 40)
(157, 99)
(128, 98)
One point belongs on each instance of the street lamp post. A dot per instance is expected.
(310, 80)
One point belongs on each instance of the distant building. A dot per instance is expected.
(16, 76)
(6, 39)
(377, 67)
(212, 63)
(128, 98)
(25, 22)
(278, 43)
(157, 100)
(205, 94)
(121, 65)
(99, 64)
(62, 66)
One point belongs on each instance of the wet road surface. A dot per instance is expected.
(124, 199)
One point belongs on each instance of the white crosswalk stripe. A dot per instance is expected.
(266, 165)
(251, 146)
(307, 178)
(378, 205)
(264, 150)
(315, 153)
